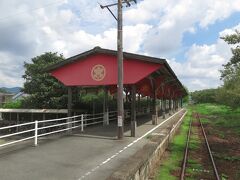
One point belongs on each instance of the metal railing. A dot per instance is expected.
(34, 130)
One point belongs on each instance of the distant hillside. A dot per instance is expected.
(13, 90)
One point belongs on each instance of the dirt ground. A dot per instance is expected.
(226, 152)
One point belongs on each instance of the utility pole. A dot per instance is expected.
(120, 106)
(120, 73)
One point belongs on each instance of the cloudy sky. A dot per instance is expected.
(185, 32)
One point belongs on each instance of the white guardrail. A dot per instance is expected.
(36, 129)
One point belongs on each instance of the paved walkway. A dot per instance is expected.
(92, 155)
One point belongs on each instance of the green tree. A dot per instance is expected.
(186, 98)
(204, 96)
(229, 93)
(44, 90)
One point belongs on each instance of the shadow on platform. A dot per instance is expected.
(110, 131)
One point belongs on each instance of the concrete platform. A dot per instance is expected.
(93, 155)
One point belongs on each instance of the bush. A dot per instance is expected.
(13, 105)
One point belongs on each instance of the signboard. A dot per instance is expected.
(120, 121)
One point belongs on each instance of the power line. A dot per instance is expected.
(30, 10)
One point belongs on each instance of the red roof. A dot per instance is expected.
(98, 67)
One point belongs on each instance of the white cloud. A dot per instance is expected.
(79, 41)
(10, 70)
(218, 10)
(150, 27)
(171, 19)
(201, 69)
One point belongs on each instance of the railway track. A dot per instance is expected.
(212, 172)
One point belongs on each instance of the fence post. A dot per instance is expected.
(36, 134)
(74, 118)
(107, 117)
(82, 122)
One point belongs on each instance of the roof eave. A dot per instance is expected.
(103, 51)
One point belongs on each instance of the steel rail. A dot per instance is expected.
(184, 164)
(209, 150)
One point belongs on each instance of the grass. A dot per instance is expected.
(194, 140)
(223, 115)
(212, 109)
(194, 144)
(226, 157)
(148, 136)
(193, 164)
(176, 152)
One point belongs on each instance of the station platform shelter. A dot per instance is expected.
(143, 76)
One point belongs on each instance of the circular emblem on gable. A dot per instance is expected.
(98, 72)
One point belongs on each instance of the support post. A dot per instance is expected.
(161, 105)
(44, 124)
(163, 108)
(105, 107)
(173, 106)
(138, 104)
(154, 116)
(120, 73)
(74, 114)
(167, 102)
(133, 111)
(177, 101)
(157, 108)
(170, 106)
(17, 121)
(148, 105)
(69, 125)
(36, 134)
(82, 122)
